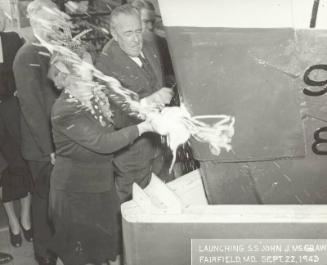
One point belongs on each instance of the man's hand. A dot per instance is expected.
(53, 158)
(153, 123)
(144, 126)
(164, 95)
(159, 98)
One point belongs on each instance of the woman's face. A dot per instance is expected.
(84, 73)
(66, 73)
(61, 80)
(84, 70)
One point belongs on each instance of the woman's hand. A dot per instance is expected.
(145, 126)
(158, 123)
(158, 98)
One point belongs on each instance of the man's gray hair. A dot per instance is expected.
(126, 10)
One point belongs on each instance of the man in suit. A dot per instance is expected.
(36, 96)
(138, 67)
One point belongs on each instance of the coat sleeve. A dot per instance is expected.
(81, 129)
(29, 85)
(102, 64)
(121, 117)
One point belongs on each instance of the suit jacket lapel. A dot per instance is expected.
(130, 65)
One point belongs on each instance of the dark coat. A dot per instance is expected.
(134, 163)
(114, 62)
(36, 94)
(16, 180)
(84, 148)
(11, 42)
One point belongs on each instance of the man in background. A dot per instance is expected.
(36, 96)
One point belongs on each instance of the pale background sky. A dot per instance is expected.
(242, 13)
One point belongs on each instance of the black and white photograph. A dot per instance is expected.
(163, 132)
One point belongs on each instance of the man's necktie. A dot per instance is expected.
(149, 71)
(146, 65)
